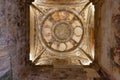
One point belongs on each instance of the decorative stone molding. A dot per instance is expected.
(55, 40)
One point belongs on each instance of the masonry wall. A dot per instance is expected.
(5, 37)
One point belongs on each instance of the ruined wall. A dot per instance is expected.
(12, 37)
(115, 51)
(109, 43)
(4, 42)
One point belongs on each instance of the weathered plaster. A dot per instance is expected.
(4, 41)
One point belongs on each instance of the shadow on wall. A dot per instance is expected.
(7, 76)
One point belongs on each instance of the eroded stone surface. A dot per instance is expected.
(4, 41)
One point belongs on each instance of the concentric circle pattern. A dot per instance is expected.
(62, 30)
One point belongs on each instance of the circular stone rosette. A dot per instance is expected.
(61, 30)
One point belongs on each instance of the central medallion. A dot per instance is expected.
(62, 31)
